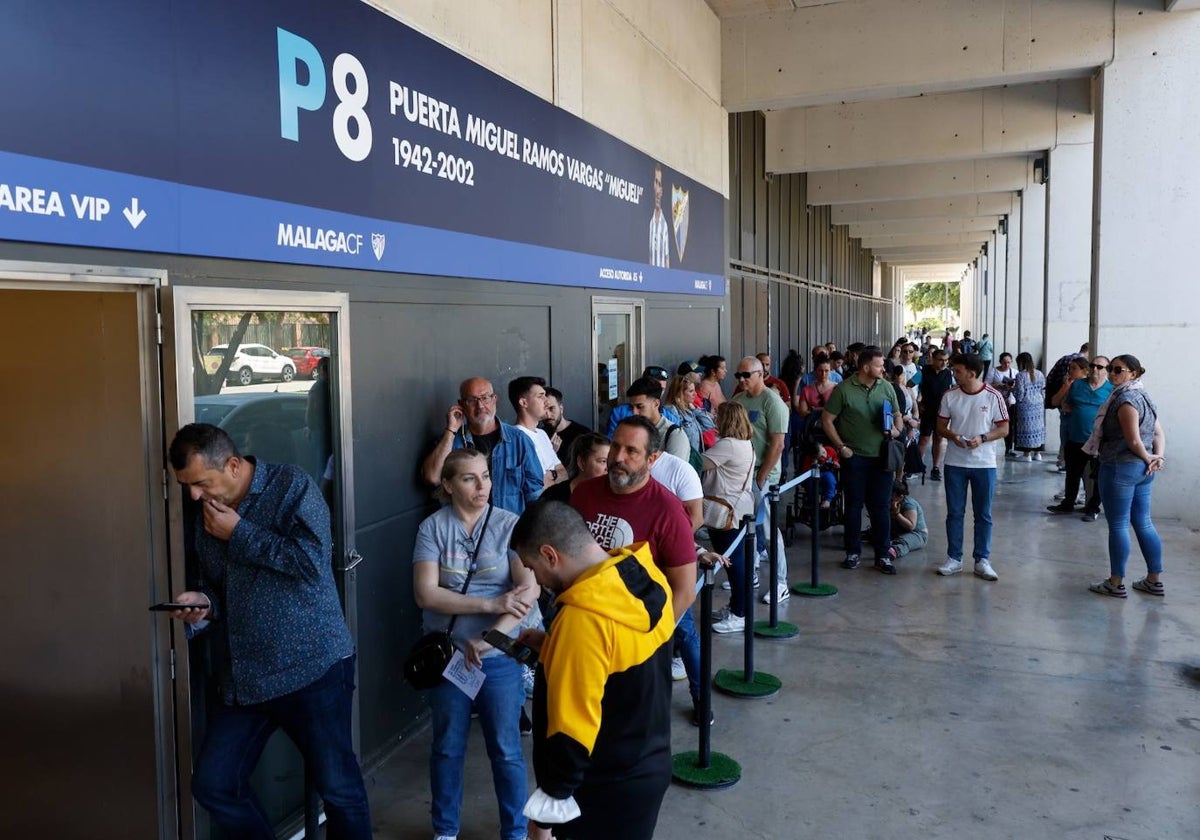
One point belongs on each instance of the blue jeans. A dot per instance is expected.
(687, 645)
(982, 481)
(317, 719)
(1125, 493)
(499, 705)
(865, 483)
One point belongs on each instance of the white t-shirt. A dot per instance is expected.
(547, 457)
(996, 376)
(677, 476)
(971, 415)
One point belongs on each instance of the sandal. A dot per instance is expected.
(1150, 587)
(1105, 587)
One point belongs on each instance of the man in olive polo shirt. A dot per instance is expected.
(853, 420)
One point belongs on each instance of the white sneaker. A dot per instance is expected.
(730, 624)
(784, 594)
(678, 672)
(950, 567)
(983, 569)
(725, 584)
(1037, 456)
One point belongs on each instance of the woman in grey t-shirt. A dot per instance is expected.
(502, 594)
(1130, 443)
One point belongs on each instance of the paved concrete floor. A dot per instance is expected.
(924, 707)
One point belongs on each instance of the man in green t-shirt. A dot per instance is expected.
(854, 420)
(769, 421)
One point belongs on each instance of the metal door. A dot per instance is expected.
(84, 696)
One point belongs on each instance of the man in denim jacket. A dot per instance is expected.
(517, 477)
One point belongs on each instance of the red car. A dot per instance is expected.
(306, 359)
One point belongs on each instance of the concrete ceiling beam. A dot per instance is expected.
(1182, 5)
(900, 227)
(972, 238)
(953, 264)
(921, 129)
(968, 252)
(918, 180)
(956, 207)
(881, 49)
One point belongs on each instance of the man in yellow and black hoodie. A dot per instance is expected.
(602, 731)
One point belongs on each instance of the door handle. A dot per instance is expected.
(353, 558)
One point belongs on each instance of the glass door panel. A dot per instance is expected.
(616, 352)
(270, 375)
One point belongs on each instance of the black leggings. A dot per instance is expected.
(1076, 461)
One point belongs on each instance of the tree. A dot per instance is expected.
(925, 296)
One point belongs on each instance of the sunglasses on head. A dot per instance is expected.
(745, 374)
(1116, 369)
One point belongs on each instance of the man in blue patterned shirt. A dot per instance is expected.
(266, 593)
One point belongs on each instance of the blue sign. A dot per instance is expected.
(323, 134)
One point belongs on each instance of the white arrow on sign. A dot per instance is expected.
(133, 215)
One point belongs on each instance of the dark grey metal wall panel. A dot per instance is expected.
(674, 334)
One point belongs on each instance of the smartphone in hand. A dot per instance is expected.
(510, 647)
(171, 606)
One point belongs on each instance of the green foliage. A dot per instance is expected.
(924, 296)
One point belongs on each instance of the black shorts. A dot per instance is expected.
(928, 424)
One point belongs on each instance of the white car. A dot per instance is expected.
(251, 362)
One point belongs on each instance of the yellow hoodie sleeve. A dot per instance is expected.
(576, 664)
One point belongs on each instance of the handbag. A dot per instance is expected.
(432, 653)
(891, 454)
(718, 513)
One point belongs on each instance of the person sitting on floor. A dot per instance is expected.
(909, 531)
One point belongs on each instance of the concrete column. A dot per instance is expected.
(1147, 217)
(1033, 268)
(997, 283)
(1068, 250)
(1007, 336)
(1068, 261)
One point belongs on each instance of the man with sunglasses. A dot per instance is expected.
(1080, 402)
(517, 477)
(769, 418)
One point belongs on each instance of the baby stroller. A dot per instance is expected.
(800, 508)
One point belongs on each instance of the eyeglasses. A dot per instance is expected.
(1116, 369)
(478, 401)
(1098, 367)
(745, 374)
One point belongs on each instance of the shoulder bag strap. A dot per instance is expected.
(474, 563)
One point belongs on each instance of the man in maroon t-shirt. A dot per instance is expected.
(628, 506)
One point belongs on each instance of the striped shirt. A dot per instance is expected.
(660, 240)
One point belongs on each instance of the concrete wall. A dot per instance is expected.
(646, 71)
(1147, 215)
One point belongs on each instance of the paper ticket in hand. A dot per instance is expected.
(468, 681)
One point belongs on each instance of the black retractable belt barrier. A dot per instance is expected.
(704, 768)
(816, 589)
(774, 628)
(748, 683)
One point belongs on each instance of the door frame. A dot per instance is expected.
(178, 304)
(145, 284)
(636, 358)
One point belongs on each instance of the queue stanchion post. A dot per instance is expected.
(774, 628)
(816, 589)
(747, 682)
(704, 768)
